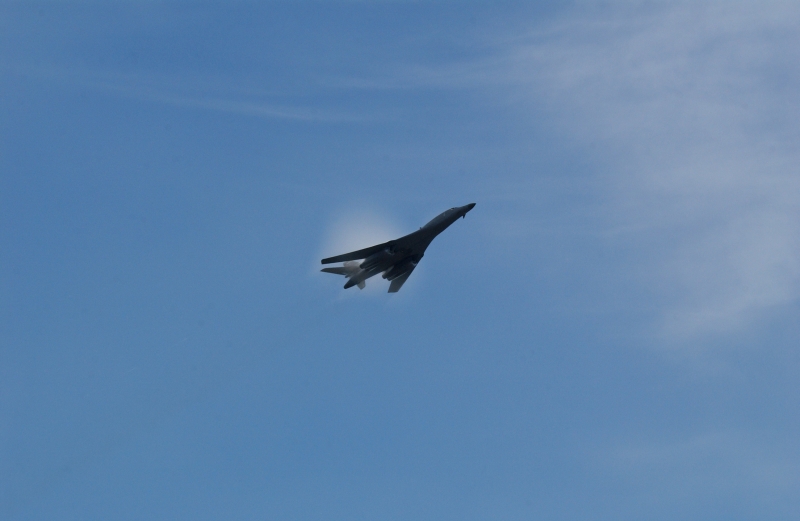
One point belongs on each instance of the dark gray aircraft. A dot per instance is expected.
(397, 258)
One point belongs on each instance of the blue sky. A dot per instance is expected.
(610, 334)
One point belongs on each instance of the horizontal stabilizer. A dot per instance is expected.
(349, 270)
(338, 271)
(355, 282)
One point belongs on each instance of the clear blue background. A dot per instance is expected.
(611, 333)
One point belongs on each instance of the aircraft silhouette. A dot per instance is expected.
(395, 259)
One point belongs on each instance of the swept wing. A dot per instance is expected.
(359, 254)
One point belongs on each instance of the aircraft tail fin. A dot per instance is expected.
(398, 282)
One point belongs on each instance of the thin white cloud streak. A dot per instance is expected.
(199, 93)
(259, 109)
(691, 114)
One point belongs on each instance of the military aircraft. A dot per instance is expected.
(395, 259)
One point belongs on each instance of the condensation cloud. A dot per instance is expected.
(355, 229)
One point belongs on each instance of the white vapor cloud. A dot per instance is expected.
(354, 229)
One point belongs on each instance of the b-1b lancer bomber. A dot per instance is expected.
(395, 259)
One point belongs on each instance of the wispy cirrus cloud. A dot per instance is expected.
(192, 92)
(695, 116)
(690, 117)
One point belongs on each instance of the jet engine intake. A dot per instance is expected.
(405, 265)
(382, 257)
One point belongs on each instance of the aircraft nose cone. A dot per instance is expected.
(464, 209)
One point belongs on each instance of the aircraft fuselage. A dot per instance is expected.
(395, 259)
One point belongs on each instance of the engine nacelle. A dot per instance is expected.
(409, 263)
(376, 259)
